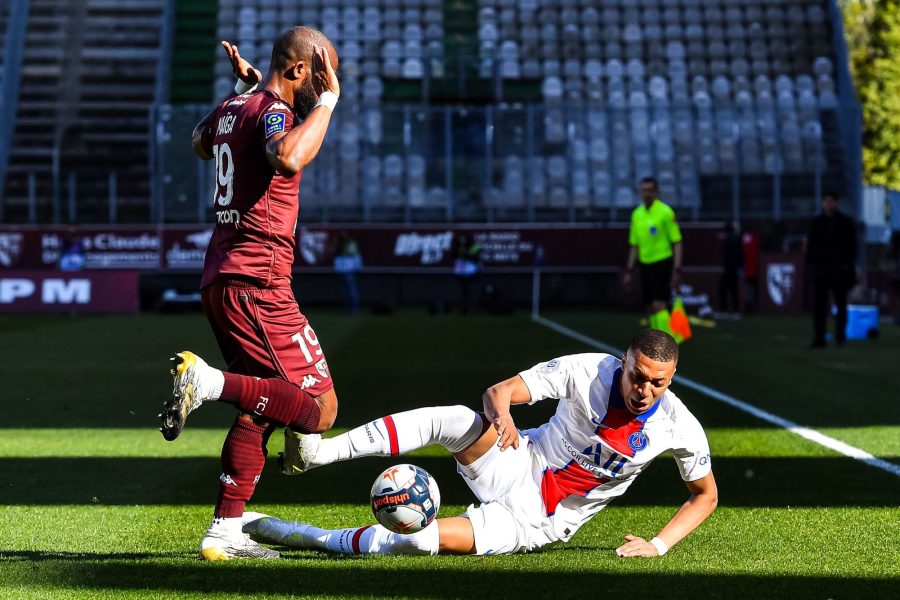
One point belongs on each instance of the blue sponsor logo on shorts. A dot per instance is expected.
(275, 122)
(637, 440)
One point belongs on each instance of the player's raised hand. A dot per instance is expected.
(324, 77)
(242, 69)
(507, 434)
(636, 546)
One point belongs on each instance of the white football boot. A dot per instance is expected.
(272, 530)
(225, 540)
(193, 384)
(299, 452)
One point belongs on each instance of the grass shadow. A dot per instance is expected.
(748, 482)
(437, 578)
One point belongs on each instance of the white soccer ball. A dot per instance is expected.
(405, 498)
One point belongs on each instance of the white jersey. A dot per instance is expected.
(593, 447)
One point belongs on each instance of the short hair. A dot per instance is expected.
(650, 180)
(655, 345)
(831, 194)
(297, 44)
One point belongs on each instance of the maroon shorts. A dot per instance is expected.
(262, 333)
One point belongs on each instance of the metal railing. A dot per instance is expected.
(529, 162)
(13, 48)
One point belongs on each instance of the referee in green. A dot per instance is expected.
(655, 241)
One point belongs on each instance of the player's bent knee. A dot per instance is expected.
(482, 441)
(327, 411)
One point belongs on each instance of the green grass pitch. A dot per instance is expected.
(94, 504)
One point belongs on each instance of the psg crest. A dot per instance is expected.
(637, 440)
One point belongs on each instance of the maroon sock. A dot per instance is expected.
(276, 400)
(243, 458)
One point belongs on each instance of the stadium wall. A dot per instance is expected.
(403, 265)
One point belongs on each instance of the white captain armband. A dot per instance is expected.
(660, 546)
(328, 99)
(241, 87)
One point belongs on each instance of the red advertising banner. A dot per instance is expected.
(182, 247)
(73, 248)
(56, 291)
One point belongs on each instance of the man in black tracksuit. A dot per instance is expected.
(831, 263)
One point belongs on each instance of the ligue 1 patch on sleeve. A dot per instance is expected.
(550, 367)
(275, 122)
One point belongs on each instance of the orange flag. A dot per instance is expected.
(679, 323)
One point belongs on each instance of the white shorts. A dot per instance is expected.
(511, 517)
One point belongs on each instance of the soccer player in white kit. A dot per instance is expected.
(536, 486)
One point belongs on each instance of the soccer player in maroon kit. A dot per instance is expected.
(277, 374)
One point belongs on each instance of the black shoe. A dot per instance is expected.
(817, 344)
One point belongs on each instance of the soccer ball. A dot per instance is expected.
(405, 498)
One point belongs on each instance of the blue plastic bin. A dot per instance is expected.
(861, 320)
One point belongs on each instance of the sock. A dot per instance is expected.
(217, 382)
(277, 400)
(371, 539)
(225, 527)
(243, 458)
(453, 427)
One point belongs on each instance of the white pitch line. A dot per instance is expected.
(795, 428)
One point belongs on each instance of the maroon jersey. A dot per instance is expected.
(256, 208)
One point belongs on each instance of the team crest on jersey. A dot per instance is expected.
(322, 368)
(275, 122)
(638, 441)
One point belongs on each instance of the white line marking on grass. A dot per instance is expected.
(804, 432)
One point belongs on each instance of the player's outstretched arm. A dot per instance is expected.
(497, 400)
(701, 504)
(290, 152)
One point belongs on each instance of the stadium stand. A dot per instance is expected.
(752, 105)
(694, 92)
(87, 85)
(456, 109)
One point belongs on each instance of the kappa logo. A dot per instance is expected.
(322, 368)
(309, 381)
(279, 106)
(275, 122)
(227, 480)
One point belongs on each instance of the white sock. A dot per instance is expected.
(373, 539)
(453, 427)
(225, 527)
(216, 381)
